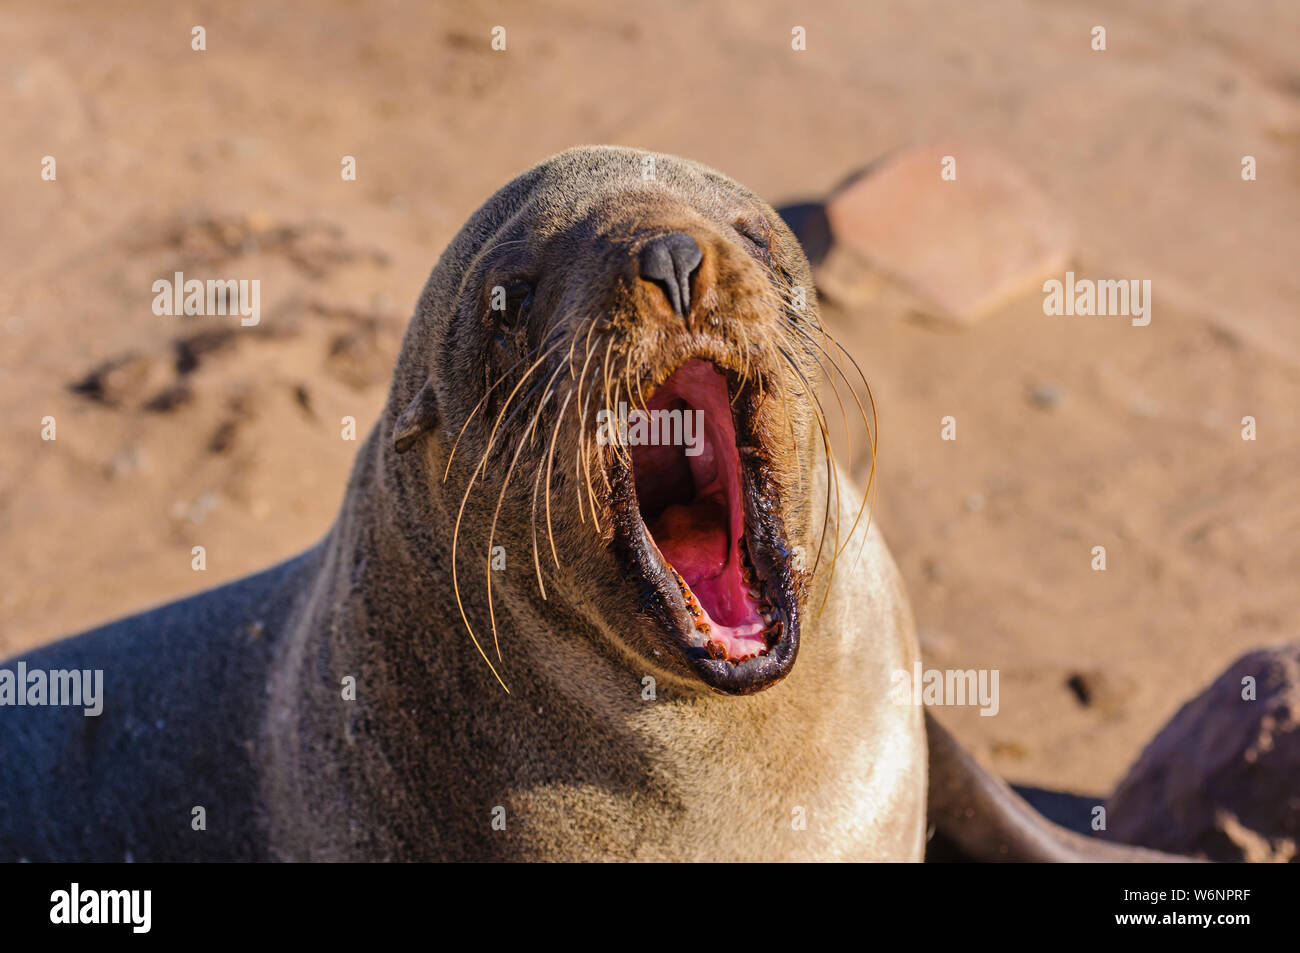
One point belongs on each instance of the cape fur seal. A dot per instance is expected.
(612, 691)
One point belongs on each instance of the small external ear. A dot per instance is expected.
(420, 415)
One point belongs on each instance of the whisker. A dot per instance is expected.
(744, 371)
(832, 475)
(582, 440)
(870, 428)
(794, 440)
(619, 450)
(537, 564)
(873, 432)
(830, 378)
(505, 484)
(550, 459)
(460, 513)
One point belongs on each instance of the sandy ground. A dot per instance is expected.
(1073, 432)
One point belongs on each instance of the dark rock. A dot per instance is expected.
(1222, 779)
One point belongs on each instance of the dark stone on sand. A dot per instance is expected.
(1222, 778)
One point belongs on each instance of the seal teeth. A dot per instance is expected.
(773, 633)
(692, 604)
(715, 649)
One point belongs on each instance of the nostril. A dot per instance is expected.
(670, 261)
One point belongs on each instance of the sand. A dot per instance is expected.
(1073, 432)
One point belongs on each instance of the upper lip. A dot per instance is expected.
(661, 593)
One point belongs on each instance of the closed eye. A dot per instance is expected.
(511, 306)
(756, 232)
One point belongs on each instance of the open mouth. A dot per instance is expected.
(698, 526)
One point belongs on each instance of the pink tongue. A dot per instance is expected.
(693, 539)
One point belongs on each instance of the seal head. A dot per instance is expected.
(622, 364)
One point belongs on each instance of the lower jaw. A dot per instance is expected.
(677, 632)
(748, 677)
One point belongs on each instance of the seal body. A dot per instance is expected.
(182, 727)
(577, 763)
(349, 704)
(231, 700)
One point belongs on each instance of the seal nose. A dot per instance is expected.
(670, 261)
